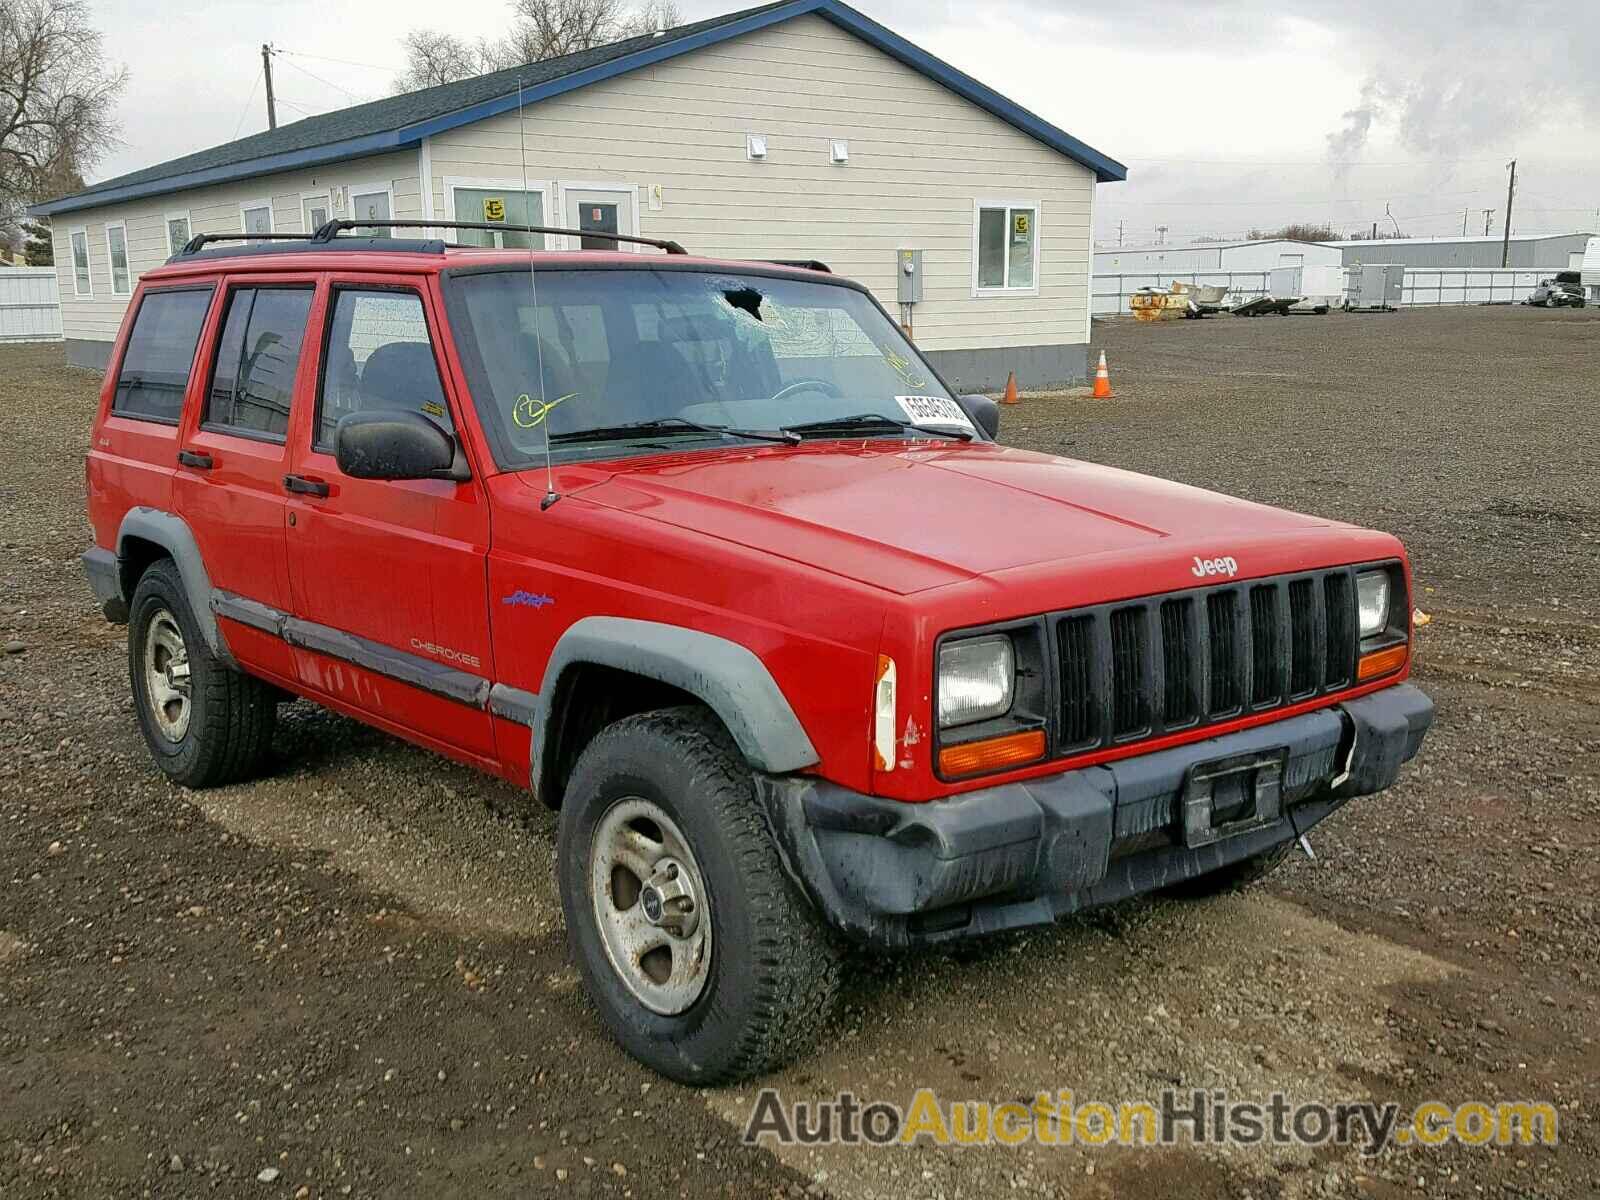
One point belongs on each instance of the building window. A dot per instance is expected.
(252, 381)
(177, 232)
(154, 373)
(81, 284)
(117, 252)
(494, 205)
(313, 212)
(1005, 247)
(255, 216)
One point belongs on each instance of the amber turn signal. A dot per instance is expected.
(992, 754)
(1381, 662)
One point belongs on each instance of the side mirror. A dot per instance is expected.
(985, 412)
(395, 444)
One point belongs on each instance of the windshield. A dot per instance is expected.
(676, 352)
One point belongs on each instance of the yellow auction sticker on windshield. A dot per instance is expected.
(934, 410)
(528, 412)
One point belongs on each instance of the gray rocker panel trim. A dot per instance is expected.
(173, 535)
(725, 675)
(514, 704)
(460, 686)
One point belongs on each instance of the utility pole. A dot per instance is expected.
(266, 70)
(1488, 216)
(1162, 231)
(1505, 242)
(1463, 222)
(1119, 231)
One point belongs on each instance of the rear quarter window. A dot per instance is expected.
(154, 373)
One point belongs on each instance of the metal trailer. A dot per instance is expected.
(1376, 287)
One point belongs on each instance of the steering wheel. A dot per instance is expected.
(824, 386)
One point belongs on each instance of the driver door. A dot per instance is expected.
(388, 576)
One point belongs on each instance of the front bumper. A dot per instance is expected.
(890, 874)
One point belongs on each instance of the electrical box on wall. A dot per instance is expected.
(908, 272)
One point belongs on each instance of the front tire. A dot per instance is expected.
(1233, 877)
(705, 963)
(205, 723)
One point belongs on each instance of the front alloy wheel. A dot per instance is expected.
(166, 675)
(703, 959)
(649, 905)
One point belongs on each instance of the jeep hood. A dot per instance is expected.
(910, 517)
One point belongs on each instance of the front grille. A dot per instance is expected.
(1139, 669)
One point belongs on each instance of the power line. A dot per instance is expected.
(248, 99)
(344, 62)
(329, 83)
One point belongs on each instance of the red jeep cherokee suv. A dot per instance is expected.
(710, 558)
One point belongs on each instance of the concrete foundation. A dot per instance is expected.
(1037, 367)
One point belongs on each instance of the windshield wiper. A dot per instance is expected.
(663, 425)
(875, 421)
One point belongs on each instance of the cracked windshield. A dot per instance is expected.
(690, 357)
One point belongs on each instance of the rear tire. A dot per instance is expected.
(1233, 877)
(662, 804)
(205, 723)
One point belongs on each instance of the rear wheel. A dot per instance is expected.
(205, 723)
(704, 961)
(1232, 877)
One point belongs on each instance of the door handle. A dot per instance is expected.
(301, 486)
(194, 458)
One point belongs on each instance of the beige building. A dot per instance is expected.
(799, 130)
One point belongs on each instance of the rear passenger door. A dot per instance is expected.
(389, 575)
(233, 455)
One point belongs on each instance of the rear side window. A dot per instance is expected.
(155, 365)
(379, 358)
(252, 383)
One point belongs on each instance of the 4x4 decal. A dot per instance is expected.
(522, 599)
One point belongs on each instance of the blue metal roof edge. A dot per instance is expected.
(1106, 169)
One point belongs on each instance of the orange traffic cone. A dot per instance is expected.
(1011, 389)
(1102, 380)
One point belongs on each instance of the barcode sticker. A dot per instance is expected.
(934, 410)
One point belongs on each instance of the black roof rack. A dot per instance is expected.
(807, 264)
(328, 233)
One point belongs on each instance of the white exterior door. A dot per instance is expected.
(604, 210)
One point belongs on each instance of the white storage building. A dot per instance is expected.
(798, 130)
(1213, 256)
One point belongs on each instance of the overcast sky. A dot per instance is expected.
(1228, 113)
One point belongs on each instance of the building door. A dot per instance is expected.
(603, 210)
(371, 203)
(314, 212)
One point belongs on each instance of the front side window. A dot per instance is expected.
(1004, 251)
(379, 358)
(177, 232)
(154, 373)
(117, 251)
(495, 206)
(252, 380)
(607, 349)
(81, 285)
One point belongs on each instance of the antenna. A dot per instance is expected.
(550, 494)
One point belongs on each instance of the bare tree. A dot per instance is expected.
(433, 58)
(58, 94)
(541, 29)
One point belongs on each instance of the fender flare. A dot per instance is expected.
(726, 676)
(172, 534)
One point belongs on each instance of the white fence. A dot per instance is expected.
(30, 309)
(1423, 286)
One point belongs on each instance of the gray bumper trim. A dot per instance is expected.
(892, 874)
(105, 580)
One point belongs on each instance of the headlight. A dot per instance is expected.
(1372, 602)
(976, 680)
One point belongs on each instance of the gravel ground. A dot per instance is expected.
(352, 973)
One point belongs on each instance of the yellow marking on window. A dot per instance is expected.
(528, 412)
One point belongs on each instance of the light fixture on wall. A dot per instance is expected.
(755, 145)
(839, 150)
